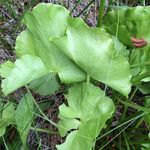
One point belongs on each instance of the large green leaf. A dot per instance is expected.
(25, 69)
(35, 40)
(132, 22)
(100, 56)
(87, 111)
(24, 116)
(95, 52)
(45, 85)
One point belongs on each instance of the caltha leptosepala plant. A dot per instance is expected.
(56, 44)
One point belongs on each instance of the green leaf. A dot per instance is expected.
(6, 68)
(146, 146)
(86, 114)
(8, 111)
(98, 55)
(140, 63)
(147, 104)
(132, 22)
(7, 117)
(45, 85)
(35, 40)
(2, 130)
(1, 107)
(145, 88)
(120, 48)
(92, 52)
(25, 69)
(24, 116)
(37, 56)
(116, 19)
(25, 44)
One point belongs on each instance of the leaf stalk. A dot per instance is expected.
(101, 13)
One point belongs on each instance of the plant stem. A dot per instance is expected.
(120, 125)
(101, 13)
(43, 114)
(117, 135)
(6, 147)
(45, 117)
(126, 141)
(74, 6)
(144, 3)
(85, 7)
(139, 123)
(134, 92)
(135, 106)
(43, 130)
(88, 79)
(125, 107)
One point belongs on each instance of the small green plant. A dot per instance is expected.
(58, 45)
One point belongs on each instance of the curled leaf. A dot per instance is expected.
(25, 69)
(100, 56)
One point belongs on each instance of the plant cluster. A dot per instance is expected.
(56, 46)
